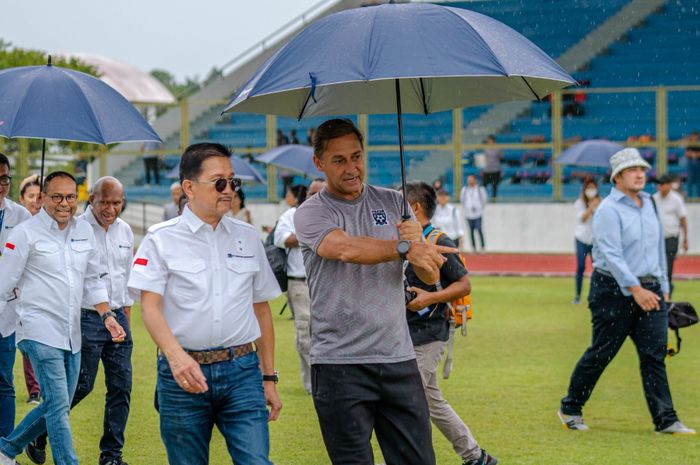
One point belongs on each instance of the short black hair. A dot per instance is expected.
(424, 194)
(194, 156)
(241, 195)
(58, 174)
(4, 160)
(332, 129)
(299, 192)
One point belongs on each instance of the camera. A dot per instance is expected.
(408, 295)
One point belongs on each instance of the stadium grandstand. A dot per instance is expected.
(634, 60)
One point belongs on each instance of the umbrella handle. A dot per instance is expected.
(405, 215)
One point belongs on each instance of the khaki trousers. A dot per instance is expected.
(299, 300)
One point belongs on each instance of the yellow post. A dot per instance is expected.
(457, 116)
(363, 125)
(557, 145)
(103, 160)
(271, 131)
(184, 125)
(661, 130)
(23, 159)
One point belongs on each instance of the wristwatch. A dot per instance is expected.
(402, 248)
(106, 315)
(274, 377)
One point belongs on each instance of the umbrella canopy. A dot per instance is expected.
(412, 57)
(293, 157)
(49, 102)
(241, 168)
(593, 152)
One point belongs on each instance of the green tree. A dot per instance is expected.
(11, 57)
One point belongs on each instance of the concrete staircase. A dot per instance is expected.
(499, 116)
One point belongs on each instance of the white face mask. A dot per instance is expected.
(591, 193)
(675, 186)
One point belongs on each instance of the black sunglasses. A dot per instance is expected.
(220, 184)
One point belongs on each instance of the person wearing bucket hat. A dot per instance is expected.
(629, 289)
(672, 212)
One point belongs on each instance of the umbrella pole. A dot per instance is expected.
(406, 215)
(43, 154)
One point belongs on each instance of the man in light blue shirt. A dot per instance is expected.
(629, 289)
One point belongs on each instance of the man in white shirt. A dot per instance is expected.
(446, 218)
(115, 243)
(172, 209)
(297, 288)
(53, 259)
(671, 209)
(11, 214)
(204, 283)
(473, 198)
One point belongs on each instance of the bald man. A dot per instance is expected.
(115, 242)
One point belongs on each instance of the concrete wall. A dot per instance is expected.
(508, 227)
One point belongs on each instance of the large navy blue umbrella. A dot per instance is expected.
(592, 152)
(409, 57)
(49, 102)
(293, 157)
(241, 169)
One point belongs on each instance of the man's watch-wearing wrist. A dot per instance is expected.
(402, 249)
(106, 315)
(274, 377)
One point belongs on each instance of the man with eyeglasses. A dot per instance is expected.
(11, 214)
(115, 242)
(53, 259)
(204, 284)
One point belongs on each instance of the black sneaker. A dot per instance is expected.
(114, 461)
(485, 459)
(35, 453)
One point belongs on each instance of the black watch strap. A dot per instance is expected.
(106, 315)
(274, 377)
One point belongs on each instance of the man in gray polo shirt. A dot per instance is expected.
(364, 373)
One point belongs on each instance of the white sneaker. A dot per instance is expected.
(5, 460)
(677, 428)
(574, 422)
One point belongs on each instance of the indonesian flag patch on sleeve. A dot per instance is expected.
(9, 245)
(141, 261)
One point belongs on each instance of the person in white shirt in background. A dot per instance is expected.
(473, 199)
(584, 206)
(671, 210)
(11, 214)
(171, 210)
(115, 242)
(54, 259)
(446, 218)
(297, 288)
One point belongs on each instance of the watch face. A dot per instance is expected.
(403, 247)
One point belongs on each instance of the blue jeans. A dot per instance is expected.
(235, 403)
(475, 225)
(581, 251)
(57, 371)
(7, 387)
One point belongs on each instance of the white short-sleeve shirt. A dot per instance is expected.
(209, 279)
(670, 209)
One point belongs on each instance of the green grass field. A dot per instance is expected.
(511, 370)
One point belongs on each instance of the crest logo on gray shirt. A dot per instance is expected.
(379, 217)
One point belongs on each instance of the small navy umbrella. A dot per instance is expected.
(241, 169)
(50, 102)
(592, 152)
(294, 157)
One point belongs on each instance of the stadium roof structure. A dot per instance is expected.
(135, 85)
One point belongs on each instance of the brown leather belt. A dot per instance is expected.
(207, 357)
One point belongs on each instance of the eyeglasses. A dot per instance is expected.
(220, 184)
(59, 198)
(5, 180)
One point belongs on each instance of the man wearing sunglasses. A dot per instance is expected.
(11, 214)
(204, 284)
(53, 259)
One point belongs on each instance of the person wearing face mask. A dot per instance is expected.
(585, 207)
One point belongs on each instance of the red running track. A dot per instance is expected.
(686, 266)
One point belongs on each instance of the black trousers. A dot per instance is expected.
(150, 165)
(352, 400)
(494, 179)
(671, 252)
(615, 317)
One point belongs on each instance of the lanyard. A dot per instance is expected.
(427, 230)
(2, 217)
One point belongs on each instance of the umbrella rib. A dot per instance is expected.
(531, 89)
(422, 96)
